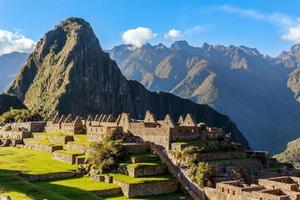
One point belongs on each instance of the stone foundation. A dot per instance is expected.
(15, 134)
(71, 146)
(137, 147)
(109, 192)
(36, 145)
(65, 156)
(148, 189)
(51, 176)
(146, 170)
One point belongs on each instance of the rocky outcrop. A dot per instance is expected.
(68, 72)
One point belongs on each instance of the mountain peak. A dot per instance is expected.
(180, 44)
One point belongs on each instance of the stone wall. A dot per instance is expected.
(65, 156)
(142, 171)
(29, 126)
(108, 192)
(148, 189)
(157, 135)
(51, 176)
(96, 134)
(35, 145)
(15, 135)
(71, 146)
(137, 147)
(184, 133)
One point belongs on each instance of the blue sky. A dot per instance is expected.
(268, 25)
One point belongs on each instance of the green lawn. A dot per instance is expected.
(30, 162)
(26, 161)
(19, 189)
(50, 134)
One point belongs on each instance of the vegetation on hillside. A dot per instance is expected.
(199, 172)
(8, 102)
(19, 115)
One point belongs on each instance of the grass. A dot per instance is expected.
(70, 152)
(30, 162)
(81, 142)
(144, 157)
(19, 189)
(14, 160)
(80, 137)
(128, 179)
(76, 188)
(42, 141)
(148, 164)
(49, 134)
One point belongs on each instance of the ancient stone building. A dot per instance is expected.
(98, 126)
(67, 125)
(278, 188)
(163, 132)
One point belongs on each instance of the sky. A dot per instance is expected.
(271, 26)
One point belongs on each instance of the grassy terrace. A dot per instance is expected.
(137, 165)
(49, 134)
(144, 157)
(42, 141)
(70, 152)
(14, 161)
(30, 162)
(128, 179)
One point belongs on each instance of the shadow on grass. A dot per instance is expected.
(11, 183)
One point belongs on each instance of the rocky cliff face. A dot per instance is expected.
(239, 81)
(10, 64)
(291, 154)
(68, 72)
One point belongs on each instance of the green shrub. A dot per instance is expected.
(107, 154)
(19, 115)
(200, 173)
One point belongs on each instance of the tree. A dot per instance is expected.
(107, 154)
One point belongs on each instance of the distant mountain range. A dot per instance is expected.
(68, 72)
(258, 92)
(10, 64)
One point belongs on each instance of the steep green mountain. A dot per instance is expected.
(10, 64)
(9, 101)
(68, 72)
(237, 80)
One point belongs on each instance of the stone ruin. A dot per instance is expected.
(161, 132)
(278, 188)
(67, 125)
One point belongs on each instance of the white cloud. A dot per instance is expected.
(289, 26)
(293, 34)
(138, 37)
(10, 42)
(275, 18)
(173, 34)
(194, 30)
